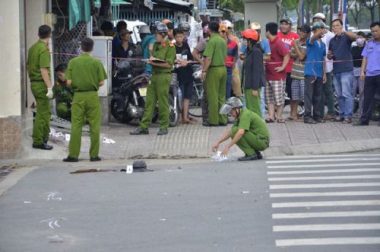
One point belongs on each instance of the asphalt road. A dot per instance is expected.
(281, 204)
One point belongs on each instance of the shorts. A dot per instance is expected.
(298, 90)
(274, 92)
(186, 89)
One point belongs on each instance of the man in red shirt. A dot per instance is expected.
(230, 61)
(275, 74)
(288, 37)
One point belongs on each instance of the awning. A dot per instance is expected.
(79, 10)
(177, 5)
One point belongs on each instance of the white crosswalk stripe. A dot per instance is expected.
(325, 200)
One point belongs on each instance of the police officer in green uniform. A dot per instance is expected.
(85, 74)
(63, 94)
(38, 68)
(158, 90)
(249, 132)
(214, 74)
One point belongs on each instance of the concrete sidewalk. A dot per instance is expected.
(194, 141)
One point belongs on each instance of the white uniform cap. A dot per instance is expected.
(228, 23)
(320, 16)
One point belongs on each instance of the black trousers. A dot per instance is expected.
(371, 87)
(313, 97)
(288, 87)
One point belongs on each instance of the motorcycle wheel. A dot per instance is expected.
(119, 116)
(173, 113)
(195, 108)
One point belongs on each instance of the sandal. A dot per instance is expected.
(280, 120)
(269, 120)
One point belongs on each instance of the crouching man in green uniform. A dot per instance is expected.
(85, 74)
(249, 132)
(158, 90)
(38, 69)
(63, 94)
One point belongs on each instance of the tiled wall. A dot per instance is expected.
(10, 137)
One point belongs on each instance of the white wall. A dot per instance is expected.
(10, 59)
(260, 11)
(34, 11)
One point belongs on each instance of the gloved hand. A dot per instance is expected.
(50, 93)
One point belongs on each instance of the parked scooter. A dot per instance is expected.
(128, 100)
(129, 93)
(175, 101)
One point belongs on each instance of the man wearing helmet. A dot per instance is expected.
(253, 73)
(327, 90)
(162, 62)
(249, 132)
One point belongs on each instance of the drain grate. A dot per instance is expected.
(5, 170)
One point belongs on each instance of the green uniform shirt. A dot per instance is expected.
(38, 57)
(62, 93)
(165, 51)
(216, 50)
(85, 72)
(250, 121)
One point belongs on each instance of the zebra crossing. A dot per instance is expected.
(325, 200)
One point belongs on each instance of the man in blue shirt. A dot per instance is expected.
(370, 72)
(340, 52)
(147, 42)
(315, 74)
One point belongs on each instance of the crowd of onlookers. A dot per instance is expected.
(314, 68)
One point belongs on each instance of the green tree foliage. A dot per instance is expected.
(234, 5)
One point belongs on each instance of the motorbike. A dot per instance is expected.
(129, 94)
(197, 101)
(128, 100)
(175, 101)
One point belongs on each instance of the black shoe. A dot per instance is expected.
(248, 158)
(319, 120)
(43, 146)
(309, 121)
(259, 155)
(95, 159)
(70, 160)
(360, 123)
(162, 132)
(139, 131)
(207, 124)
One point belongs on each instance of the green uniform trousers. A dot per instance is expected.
(86, 106)
(216, 80)
(253, 102)
(250, 142)
(41, 127)
(158, 90)
(63, 110)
